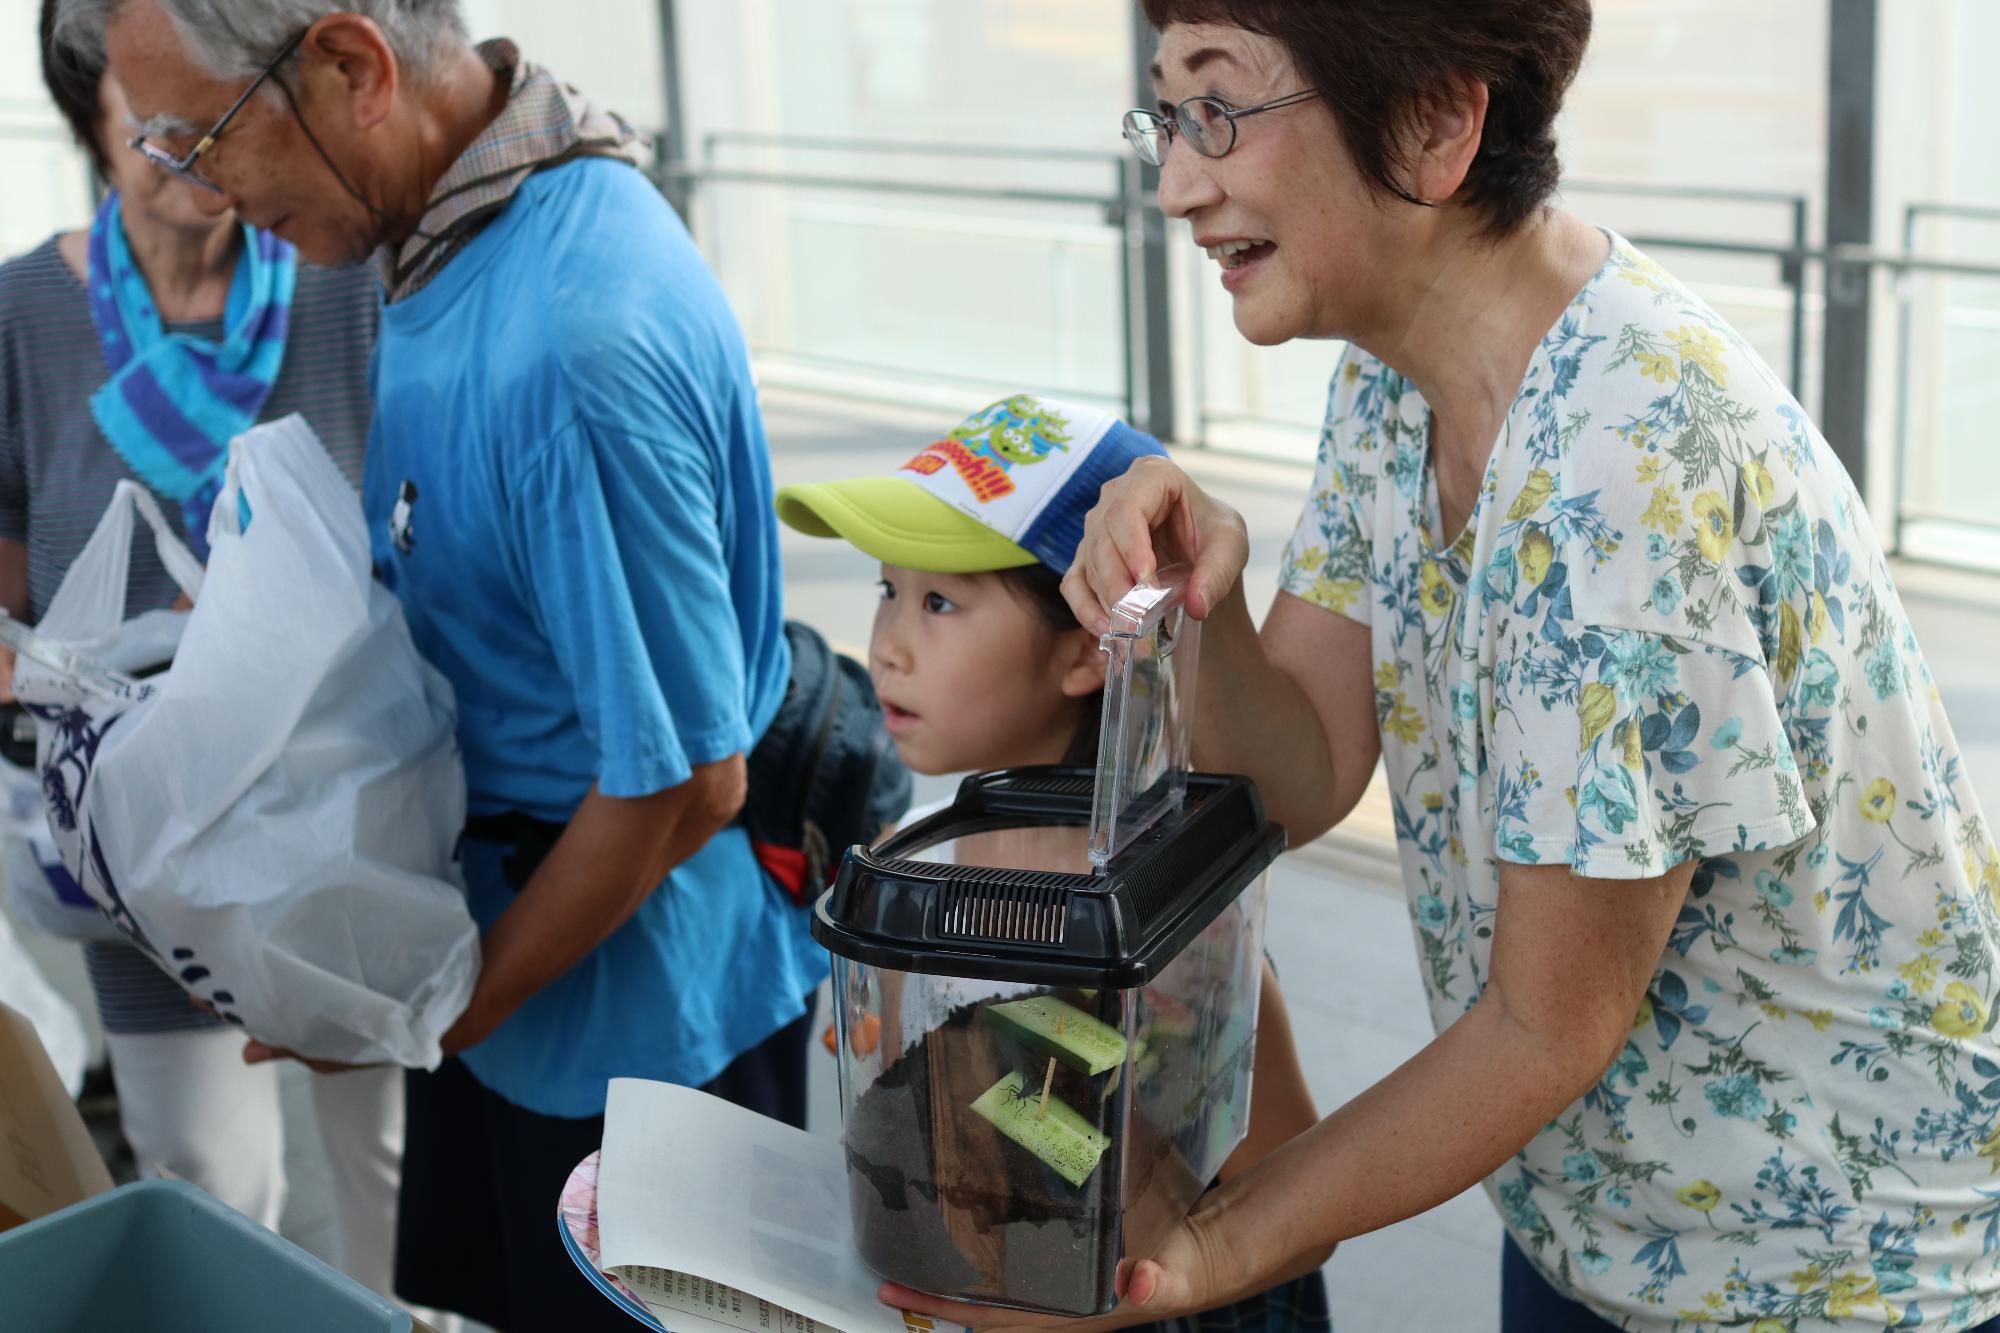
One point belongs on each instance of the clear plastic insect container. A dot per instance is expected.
(1046, 1001)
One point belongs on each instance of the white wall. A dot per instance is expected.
(609, 48)
(43, 184)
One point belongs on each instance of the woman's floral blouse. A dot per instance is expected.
(1668, 633)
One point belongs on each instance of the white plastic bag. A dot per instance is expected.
(41, 893)
(275, 817)
(71, 672)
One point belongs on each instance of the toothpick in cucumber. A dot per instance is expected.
(1064, 1140)
(1048, 1026)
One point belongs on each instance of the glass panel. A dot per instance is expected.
(1007, 1144)
(924, 296)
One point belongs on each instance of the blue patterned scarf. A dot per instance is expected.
(174, 401)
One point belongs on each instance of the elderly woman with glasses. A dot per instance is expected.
(136, 347)
(1705, 905)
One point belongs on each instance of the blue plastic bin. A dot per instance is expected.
(163, 1257)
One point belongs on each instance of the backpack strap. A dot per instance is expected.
(788, 866)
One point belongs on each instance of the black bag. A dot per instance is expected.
(825, 776)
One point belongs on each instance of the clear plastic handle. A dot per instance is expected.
(1143, 749)
(89, 676)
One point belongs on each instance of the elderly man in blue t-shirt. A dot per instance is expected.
(568, 488)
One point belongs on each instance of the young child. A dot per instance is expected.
(981, 665)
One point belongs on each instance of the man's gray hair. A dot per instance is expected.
(233, 39)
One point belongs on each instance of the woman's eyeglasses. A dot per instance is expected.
(184, 167)
(1208, 124)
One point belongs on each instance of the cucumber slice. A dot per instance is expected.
(1063, 1139)
(1142, 1068)
(1048, 1026)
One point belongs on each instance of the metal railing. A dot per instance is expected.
(1791, 257)
(1116, 208)
(1791, 265)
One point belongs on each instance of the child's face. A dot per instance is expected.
(971, 677)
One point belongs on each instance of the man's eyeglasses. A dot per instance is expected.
(1207, 123)
(184, 167)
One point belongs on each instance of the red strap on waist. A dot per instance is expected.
(787, 865)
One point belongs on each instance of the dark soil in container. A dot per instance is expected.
(944, 1203)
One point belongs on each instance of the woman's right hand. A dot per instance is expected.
(1152, 517)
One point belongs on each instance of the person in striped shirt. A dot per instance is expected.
(188, 1103)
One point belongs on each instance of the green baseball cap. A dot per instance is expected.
(1009, 486)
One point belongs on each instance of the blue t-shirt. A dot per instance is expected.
(569, 489)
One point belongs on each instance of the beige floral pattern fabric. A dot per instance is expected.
(1669, 634)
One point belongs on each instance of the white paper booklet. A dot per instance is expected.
(724, 1221)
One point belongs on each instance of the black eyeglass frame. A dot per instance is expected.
(183, 167)
(1143, 128)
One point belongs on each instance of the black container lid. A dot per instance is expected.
(1115, 928)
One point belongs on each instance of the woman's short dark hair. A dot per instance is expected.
(73, 79)
(1377, 63)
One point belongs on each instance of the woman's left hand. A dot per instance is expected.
(1178, 1280)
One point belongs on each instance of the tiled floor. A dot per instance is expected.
(1341, 940)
